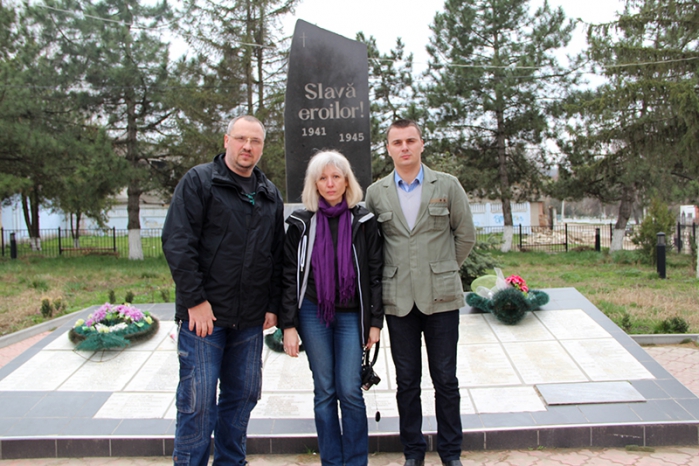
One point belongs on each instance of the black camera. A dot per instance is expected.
(369, 377)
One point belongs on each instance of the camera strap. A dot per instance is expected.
(371, 361)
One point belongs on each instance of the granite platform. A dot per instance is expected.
(566, 377)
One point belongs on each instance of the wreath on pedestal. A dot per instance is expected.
(508, 299)
(112, 327)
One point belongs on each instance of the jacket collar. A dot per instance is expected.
(221, 176)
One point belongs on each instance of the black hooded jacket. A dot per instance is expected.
(367, 253)
(222, 248)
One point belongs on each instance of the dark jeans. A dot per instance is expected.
(441, 331)
(335, 356)
(232, 359)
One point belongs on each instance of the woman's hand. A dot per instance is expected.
(291, 342)
(374, 336)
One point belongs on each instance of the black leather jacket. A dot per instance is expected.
(367, 251)
(222, 249)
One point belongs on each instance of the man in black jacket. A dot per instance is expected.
(223, 239)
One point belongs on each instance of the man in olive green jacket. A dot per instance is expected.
(428, 232)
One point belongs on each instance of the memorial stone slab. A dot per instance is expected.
(484, 365)
(135, 406)
(327, 104)
(528, 329)
(605, 359)
(507, 400)
(592, 392)
(543, 362)
(45, 371)
(474, 329)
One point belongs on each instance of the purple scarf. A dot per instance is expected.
(323, 259)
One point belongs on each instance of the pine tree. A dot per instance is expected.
(492, 70)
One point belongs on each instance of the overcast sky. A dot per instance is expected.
(410, 20)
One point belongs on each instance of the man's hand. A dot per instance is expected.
(201, 319)
(374, 335)
(291, 342)
(270, 321)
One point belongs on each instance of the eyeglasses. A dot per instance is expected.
(242, 140)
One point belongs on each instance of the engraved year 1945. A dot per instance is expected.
(320, 131)
(351, 137)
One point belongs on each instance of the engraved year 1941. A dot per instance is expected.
(351, 137)
(319, 131)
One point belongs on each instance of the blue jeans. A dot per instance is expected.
(441, 332)
(335, 355)
(233, 357)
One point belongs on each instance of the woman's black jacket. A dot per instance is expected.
(367, 253)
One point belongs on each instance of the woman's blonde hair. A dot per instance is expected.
(316, 165)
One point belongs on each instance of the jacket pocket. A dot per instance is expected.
(390, 285)
(387, 223)
(439, 216)
(446, 282)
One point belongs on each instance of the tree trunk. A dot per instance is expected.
(30, 209)
(628, 194)
(76, 234)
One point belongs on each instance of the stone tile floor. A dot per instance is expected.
(499, 369)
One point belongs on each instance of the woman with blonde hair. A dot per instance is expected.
(333, 256)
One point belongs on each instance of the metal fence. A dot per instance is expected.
(62, 242)
(561, 238)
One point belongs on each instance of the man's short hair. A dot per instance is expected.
(249, 118)
(404, 123)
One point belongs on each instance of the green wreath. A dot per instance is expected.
(509, 305)
(113, 327)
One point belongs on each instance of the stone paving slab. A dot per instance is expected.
(662, 456)
(130, 393)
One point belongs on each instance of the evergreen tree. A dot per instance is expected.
(120, 70)
(640, 131)
(492, 70)
(238, 66)
(392, 97)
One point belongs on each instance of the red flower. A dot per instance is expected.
(518, 282)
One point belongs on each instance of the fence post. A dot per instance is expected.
(679, 238)
(60, 247)
(660, 254)
(13, 246)
(566, 225)
(598, 234)
(114, 239)
(520, 236)
(2, 240)
(611, 236)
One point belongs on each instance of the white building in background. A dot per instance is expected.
(153, 211)
(152, 214)
(689, 214)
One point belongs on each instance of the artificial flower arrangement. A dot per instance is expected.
(508, 299)
(113, 326)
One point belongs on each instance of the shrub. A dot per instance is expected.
(129, 297)
(112, 297)
(659, 219)
(479, 262)
(672, 325)
(46, 309)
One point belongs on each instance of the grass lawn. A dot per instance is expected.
(626, 290)
(629, 292)
(79, 282)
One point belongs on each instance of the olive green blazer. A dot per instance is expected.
(422, 266)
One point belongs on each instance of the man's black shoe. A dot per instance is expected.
(414, 462)
(452, 463)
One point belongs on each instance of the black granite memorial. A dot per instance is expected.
(327, 104)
